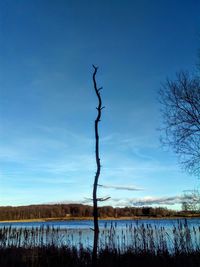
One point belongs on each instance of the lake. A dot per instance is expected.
(162, 234)
(87, 224)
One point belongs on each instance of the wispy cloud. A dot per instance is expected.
(125, 141)
(121, 187)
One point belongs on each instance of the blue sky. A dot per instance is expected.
(47, 102)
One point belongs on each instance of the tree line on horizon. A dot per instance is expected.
(79, 210)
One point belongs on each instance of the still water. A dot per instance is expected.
(87, 224)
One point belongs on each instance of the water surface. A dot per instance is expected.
(156, 235)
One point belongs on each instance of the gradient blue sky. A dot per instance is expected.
(47, 102)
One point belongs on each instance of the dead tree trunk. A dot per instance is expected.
(95, 199)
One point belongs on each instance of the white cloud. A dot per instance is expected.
(149, 200)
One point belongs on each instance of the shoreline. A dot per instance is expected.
(100, 219)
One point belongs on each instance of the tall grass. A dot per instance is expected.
(144, 244)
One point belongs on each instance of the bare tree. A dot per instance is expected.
(180, 100)
(95, 199)
(191, 200)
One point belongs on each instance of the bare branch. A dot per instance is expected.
(103, 199)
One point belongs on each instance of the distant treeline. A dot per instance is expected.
(78, 210)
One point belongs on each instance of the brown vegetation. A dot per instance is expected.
(67, 211)
(136, 245)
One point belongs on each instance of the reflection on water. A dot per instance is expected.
(142, 235)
